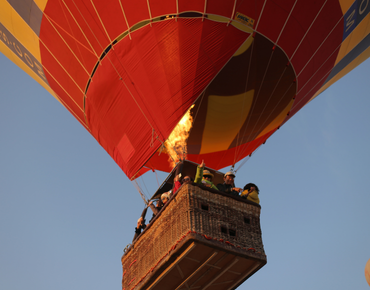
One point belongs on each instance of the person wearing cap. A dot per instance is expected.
(251, 192)
(165, 197)
(204, 176)
(228, 186)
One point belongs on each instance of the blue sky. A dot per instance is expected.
(67, 211)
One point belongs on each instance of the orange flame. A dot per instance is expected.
(176, 144)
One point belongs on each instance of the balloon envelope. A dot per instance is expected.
(129, 70)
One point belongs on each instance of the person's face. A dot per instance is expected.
(207, 177)
(229, 179)
(186, 179)
(164, 199)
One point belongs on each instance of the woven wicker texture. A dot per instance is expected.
(231, 222)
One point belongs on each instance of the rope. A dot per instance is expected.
(124, 16)
(309, 28)
(83, 33)
(139, 190)
(286, 21)
(101, 22)
(156, 175)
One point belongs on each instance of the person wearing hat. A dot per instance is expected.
(228, 186)
(251, 192)
(204, 176)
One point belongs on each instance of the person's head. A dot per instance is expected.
(165, 197)
(186, 179)
(229, 177)
(252, 186)
(207, 175)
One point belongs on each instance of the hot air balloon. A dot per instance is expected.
(129, 70)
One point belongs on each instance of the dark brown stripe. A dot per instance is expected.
(19, 50)
(30, 13)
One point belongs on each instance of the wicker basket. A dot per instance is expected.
(201, 238)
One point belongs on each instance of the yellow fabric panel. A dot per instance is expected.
(41, 4)
(244, 46)
(218, 18)
(20, 30)
(345, 4)
(224, 19)
(242, 26)
(15, 59)
(277, 121)
(354, 38)
(356, 62)
(225, 117)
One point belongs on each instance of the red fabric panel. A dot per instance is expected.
(162, 7)
(191, 6)
(298, 24)
(61, 82)
(141, 172)
(112, 17)
(316, 37)
(217, 7)
(72, 35)
(135, 11)
(60, 59)
(84, 14)
(273, 18)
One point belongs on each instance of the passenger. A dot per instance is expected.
(141, 223)
(177, 183)
(140, 226)
(187, 179)
(165, 197)
(204, 176)
(228, 186)
(176, 180)
(251, 193)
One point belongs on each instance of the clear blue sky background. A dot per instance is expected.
(67, 211)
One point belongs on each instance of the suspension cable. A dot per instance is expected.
(140, 192)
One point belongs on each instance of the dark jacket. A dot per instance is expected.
(227, 188)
